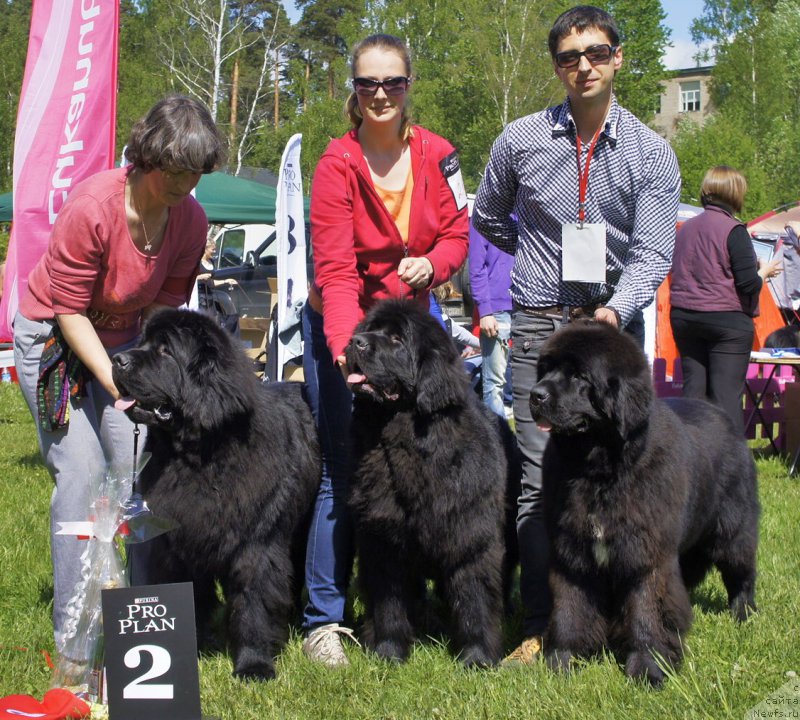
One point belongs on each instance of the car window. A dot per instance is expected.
(231, 248)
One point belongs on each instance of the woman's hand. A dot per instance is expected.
(770, 269)
(81, 336)
(416, 272)
(489, 326)
(341, 361)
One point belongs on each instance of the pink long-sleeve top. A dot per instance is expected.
(92, 265)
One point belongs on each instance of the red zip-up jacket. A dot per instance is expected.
(357, 246)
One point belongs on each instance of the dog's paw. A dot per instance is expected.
(558, 660)
(641, 665)
(255, 671)
(742, 608)
(477, 656)
(391, 650)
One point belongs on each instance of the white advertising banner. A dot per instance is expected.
(290, 228)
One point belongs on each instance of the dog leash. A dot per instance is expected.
(136, 433)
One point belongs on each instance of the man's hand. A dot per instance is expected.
(607, 315)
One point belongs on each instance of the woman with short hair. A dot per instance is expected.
(126, 242)
(716, 281)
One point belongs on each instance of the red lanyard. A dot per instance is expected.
(583, 177)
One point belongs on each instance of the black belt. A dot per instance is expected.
(564, 313)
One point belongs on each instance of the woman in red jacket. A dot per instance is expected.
(388, 220)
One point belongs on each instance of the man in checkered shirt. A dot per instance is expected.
(586, 198)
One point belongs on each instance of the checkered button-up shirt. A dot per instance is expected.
(634, 187)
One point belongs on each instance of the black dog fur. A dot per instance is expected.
(642, 497)
(434, 490)
(236, 464)
(785, 337)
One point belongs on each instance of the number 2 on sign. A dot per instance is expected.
(162, 661)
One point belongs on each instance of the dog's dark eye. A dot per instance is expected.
(396, 339)
(164, 350)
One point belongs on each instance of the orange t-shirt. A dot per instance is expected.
(398, 203)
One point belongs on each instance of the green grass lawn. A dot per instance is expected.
(727, 670)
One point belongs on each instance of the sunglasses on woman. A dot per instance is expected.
(595, 55)
(391, 86)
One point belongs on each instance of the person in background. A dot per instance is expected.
(388, 220)
(466, 342)
(207, 261)
(787, 290)
(595, 193)
(716, 281)
(490, 282)
(127, 242)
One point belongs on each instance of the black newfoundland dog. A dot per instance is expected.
(236, 464)
(642, 497)
(434, 488)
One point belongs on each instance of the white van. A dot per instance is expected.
(235, 241)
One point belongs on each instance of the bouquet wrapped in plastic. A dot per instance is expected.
(117, 517)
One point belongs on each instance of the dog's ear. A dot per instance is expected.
(219, 384)
(629, 402)
(440, 380)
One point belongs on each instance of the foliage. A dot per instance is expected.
(755, 88)
(476, 65)
(323, 120)
(644, 36)
(728, 668)
(721, 142)
(141, 77)
(15, 18)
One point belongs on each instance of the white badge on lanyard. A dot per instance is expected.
(583, 245)
(583, 252)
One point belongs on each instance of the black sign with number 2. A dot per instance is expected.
(151, 653)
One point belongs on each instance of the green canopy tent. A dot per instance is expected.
(225, 198)
(5, 207)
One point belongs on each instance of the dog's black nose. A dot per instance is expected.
(121, 360)
(539, 395)
(360, 342)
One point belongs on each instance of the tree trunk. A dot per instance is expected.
(277, 96)
(234, 100)
(308, 80)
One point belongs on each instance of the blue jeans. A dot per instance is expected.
(97, 436)
(329, 555)
(494, 351)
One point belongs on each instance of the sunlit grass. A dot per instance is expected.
(727, 670)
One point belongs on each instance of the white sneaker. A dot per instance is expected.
(324, 645)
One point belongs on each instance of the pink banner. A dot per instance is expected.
(65, 125)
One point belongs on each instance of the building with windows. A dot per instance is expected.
(685, 96)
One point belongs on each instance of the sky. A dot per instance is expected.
(680, 14)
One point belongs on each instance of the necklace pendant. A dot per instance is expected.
(148, 247)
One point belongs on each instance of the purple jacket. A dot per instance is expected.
(489, 275)
(702, 278)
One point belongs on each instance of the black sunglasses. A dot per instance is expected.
(595, 54)
(391, 86)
